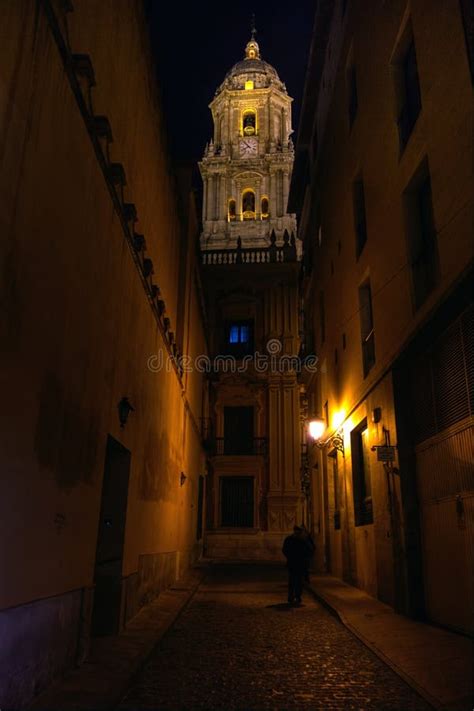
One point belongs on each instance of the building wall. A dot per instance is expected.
(267, 293)
(80, 328)
(332, 153)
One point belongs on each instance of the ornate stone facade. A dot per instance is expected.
(250, 257)
(246, 167)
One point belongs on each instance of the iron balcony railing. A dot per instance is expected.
(254, 446)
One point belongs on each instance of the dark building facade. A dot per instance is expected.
(382, 188)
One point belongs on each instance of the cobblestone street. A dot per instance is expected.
(239, 646)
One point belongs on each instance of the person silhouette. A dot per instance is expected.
(297, 552)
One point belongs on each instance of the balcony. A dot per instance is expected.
(251, 447)
(251, 255)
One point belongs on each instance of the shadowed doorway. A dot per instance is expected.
(106, 613)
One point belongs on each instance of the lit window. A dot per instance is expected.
(264, 208)
(234, 334)
(244, 334)
(239, 334)
(238, 338)
(249, 85)
(248, 205)
(249, 123)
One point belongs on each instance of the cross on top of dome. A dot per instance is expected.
(252, 50)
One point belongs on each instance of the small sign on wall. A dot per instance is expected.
(386, 454)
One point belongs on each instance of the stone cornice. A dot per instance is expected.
(230, 95)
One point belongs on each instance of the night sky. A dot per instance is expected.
(195, 44)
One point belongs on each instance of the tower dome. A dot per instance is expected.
(252, 68)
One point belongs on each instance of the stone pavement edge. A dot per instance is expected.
(437, 663)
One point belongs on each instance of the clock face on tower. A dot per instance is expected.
(248, 147)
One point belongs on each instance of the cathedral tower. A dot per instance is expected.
(246, 167)
(250, 266)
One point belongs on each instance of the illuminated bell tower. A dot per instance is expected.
(250, 257)
(246, 167)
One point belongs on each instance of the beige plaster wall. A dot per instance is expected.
(78, 329)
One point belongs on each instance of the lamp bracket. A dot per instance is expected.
(336, 441)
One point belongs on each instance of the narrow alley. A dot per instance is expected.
(237, 335)
(238, 645)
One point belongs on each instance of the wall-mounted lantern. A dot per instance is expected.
(316, 430)
(124, 409)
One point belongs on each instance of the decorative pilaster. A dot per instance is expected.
(222, 197)
(238, 199)
(284, 495)
(283, 132)
(286, 187)
(204, 200)
(273, 195)
(279, 193)
(210, 197)
(258, 200)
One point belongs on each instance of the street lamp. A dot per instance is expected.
(317, 428)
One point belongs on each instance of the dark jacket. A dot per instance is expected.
(296, 551)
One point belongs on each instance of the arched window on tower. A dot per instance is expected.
(264, 208)
(248, 205)
(231, 214)
(249, 122)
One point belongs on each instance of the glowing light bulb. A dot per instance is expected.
(316, 428)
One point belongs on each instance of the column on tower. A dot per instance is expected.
(258, 200)
(273, 194)
(269, 128)
(210, 197)
(228, 126)
(235, 123)
(204, 200)
(286, 188)
(279, 193)
(283, 136)
(222, 197)
(273, 124)
(216, 197)
(238, 199)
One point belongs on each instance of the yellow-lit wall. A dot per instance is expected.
(78, 329)
(442, 135)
